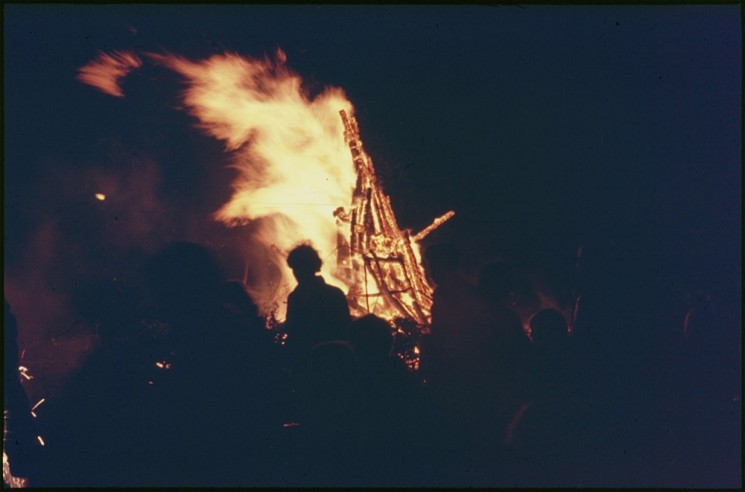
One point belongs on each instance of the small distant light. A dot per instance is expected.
(100, 197)
(41, 441)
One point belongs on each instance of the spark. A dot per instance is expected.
(38, 403)
(41, 441)
(290, 424)
(24, 372)
(100, 197)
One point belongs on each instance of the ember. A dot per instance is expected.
(23, 370)
(12, 482)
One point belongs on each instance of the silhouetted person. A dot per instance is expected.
(388, 411)
(329, 400)
(507, 288)
(102, 426)
(497, 281)
(19, 441)
(316, 312)
(475, 357)
(615, 324)
(235, 298)
(549, 426)
(548, 329)
(263, 353)
(553, 368)
(217, 415)
(710, 408)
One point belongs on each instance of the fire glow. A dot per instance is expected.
(303, 176)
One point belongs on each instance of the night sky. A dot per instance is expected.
(541, 126)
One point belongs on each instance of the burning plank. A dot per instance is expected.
(379, 260)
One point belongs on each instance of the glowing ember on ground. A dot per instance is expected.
(12, 481)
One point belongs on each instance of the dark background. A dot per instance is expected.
(541, 126)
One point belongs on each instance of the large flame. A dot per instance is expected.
(303, 176)
(294, 166)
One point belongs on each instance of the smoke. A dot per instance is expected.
(78, 241)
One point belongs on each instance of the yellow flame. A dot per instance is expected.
(294, 167)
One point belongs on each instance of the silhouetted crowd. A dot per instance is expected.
(188, 387)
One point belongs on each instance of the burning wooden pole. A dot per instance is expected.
(380, 261)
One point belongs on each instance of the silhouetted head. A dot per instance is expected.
(441, 260)
(548, 327)
(371, 337)
(184, 276)
(497, 280)
(305, 262)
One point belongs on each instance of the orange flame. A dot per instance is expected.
(299, 166)
(294, 166)
(105, 72)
